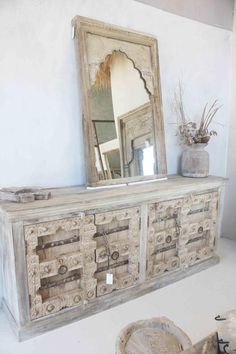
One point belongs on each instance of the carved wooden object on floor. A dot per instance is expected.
(83, 251)
(158, 335)
(226, 328)
(208, 345)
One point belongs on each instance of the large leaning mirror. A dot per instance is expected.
(122, 113)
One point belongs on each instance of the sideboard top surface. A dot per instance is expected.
(74, 199)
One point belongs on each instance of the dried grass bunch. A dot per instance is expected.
(190, 132)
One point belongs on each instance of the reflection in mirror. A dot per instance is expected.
(122, 120)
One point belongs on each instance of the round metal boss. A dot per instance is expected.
(63, 269)
(50, 307)
(77, 299)
(115, 255)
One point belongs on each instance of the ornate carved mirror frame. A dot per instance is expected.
(142, 50)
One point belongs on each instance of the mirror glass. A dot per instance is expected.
(122, 120)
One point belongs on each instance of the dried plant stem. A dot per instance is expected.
(210, 117)
(203, 117)
(190, 133)
(209, 113)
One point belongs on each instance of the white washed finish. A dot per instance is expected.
(140, 223)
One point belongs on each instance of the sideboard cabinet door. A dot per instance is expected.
(72, 261)
(117, 249)
(163, 235)
(60, 264)
(181, 232)
(198, 228)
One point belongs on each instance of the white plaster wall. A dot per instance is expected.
(229, 220)
(214, 12)
(40, 110)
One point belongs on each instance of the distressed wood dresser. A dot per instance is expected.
(84, 251)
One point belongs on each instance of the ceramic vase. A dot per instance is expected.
(195, 161)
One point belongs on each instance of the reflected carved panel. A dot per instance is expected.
(136, 132)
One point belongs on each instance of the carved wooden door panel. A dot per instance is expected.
(198, 228)
(163, 233)
(117, 249)
(181, 232)
(60, 264)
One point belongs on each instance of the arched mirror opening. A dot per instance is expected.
(121, 120)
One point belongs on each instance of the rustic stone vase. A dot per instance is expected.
(195, 161)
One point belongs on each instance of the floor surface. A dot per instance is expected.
(191, 303)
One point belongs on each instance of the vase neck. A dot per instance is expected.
(199, 146)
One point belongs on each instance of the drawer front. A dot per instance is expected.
(68, 260)
(181, 232)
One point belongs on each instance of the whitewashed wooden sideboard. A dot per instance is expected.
(83, 251)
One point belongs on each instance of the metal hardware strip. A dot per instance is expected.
(112, 231)
(52, 284)
(196, 211)
(58, 243)
(199, 238)
(166, 218)
(164, 249)
(115, 265)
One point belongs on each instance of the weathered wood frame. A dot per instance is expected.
(83, 26)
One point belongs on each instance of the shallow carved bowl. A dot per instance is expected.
(154, 336)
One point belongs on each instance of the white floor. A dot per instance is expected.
(191, 303)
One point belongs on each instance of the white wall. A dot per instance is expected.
(40, 111)
(229, 220)
(214, 12)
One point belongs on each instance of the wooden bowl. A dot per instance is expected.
(154, 336)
